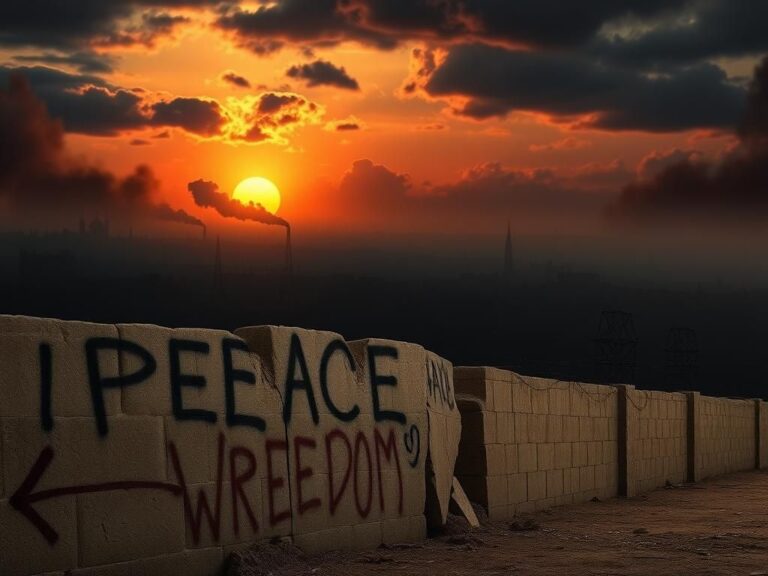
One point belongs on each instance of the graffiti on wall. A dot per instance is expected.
(351, 461)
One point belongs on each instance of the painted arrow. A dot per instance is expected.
(24, 497)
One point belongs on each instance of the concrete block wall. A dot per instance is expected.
(532, 443)
(725, 436)
(657, 439)
(135, 449)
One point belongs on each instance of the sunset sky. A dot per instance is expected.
(387, 115)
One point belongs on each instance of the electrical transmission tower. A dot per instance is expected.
(681, 358)
(615, 348)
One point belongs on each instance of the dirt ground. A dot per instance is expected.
(717, 527)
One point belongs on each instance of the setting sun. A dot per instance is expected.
(258, 191)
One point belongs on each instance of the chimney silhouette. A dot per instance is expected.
(508, 261)
(218, 274)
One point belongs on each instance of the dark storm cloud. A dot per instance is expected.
(319, 22)
(347, 126)
(203, 117)
(44, 79)
(207, 195)
(58, 24)
(498, 81)
(236, 80)
(554, 23)
(323, 73)
(74, 24)
(85, 104)
(98, 111)
(731, 190)
(714, 28)
(385, 23)
(585, 57)
(37, 175)
(380, 23)
(154, 25)
(85, 62)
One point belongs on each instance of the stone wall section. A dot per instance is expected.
(532, 443)
(725, 436)
(657, 441)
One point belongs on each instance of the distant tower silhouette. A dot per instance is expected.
(82, 226)
(681, 357)
(508, 261)
(615, 348)
(218, 274)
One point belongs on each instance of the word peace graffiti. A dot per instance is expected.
(297, 381)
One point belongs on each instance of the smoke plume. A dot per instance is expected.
(38, 177)
(208, 195)
(731, 190)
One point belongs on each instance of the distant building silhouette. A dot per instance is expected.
(508, 272)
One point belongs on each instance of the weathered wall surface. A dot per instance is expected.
(657, 440)
(532, 443)
(725, 435)
(135, 449)
(444, 424)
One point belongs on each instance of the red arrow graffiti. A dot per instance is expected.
(24, 497)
